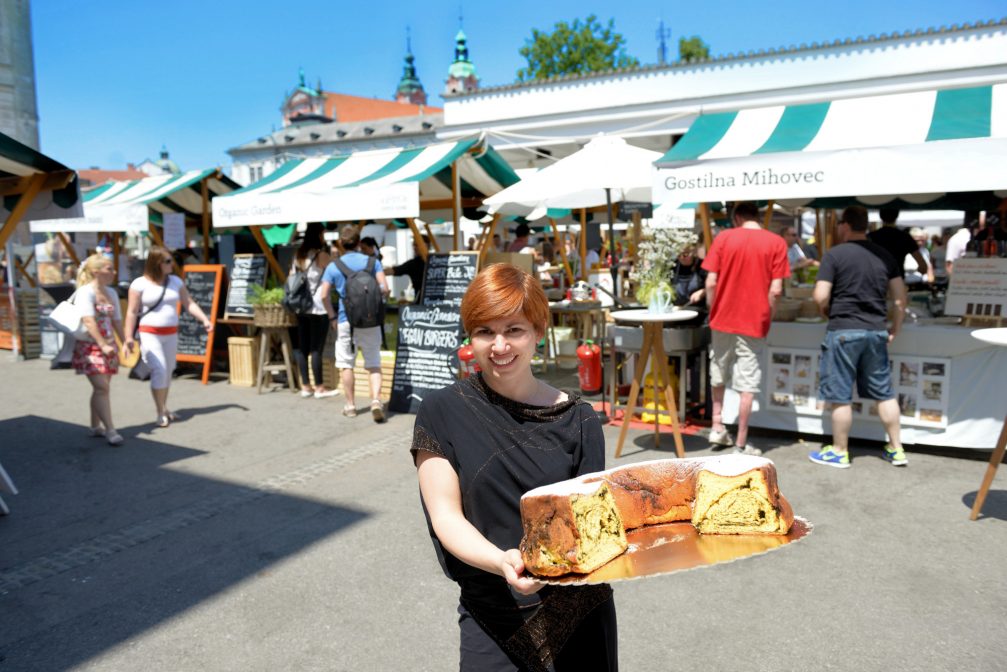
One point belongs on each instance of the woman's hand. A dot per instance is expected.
(108, 349)
(129, 344)
(208, 325)
(512, 568)
(697, 296)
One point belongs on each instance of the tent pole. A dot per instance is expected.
(433, 238)
(769, 215)
(614, 264)
(115, 255)
(420, 243)
(264, 246)
(829, 227)
(23, 268)
(561, 248)
(68, 247)
(704, 217)
(819, 233)
(23, 202)
(583, 244)
(205, 193)
(456, 209)
(484, 248)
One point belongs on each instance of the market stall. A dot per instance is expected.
(934, 149)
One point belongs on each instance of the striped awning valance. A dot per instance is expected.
(910, 145)
(376, 184)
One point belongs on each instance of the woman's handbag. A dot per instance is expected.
(66, 317)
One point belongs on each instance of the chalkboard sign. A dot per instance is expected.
(194, 343)
(426, 355)
(246, 271)
(447, 278)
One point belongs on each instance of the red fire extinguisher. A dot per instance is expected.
(589, 368)
(467, 359)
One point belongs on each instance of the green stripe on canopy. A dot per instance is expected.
(703, 135)
(272, 177)
(962, 113)
(797, 127)
(327, 167)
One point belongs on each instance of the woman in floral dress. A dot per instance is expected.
(96, 355)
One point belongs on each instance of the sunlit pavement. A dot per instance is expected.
(267, 532)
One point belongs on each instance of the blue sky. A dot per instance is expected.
(116, 79)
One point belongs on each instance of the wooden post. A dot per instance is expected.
(488, 241)
(769, 215)
(205, 193)
(830, 226)
(23, 202)
(264, 246)
(561, 247)
(704, 216)
(583, 244)
(637, 232)
(23, 268)
(115, 253)
(433, 238)
(68, 247)
(420, 243)
(456, 206)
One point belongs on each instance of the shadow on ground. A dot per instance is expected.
(105, 542)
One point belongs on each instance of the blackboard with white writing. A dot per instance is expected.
(430, 333)
(194, 343)
(246, 271)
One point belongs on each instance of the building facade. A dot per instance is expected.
(18, 107)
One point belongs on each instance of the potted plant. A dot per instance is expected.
(655, 265)
(269, 310)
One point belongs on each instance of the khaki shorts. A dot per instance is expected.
(735, 361)
(367, 340)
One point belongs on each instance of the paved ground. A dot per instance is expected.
(271, 533)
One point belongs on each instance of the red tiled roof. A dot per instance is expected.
(92, 177)
(344, 107)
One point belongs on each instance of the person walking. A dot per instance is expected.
(96, 356)
(745, 266)
(312, 258)
(853, 282)
(339, 274)
(478, 445)
(152, 312)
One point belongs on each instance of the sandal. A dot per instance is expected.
(163, 421)
(96, 432)
(350, 411)
(172, 416)
(114, 439)
(378, 411)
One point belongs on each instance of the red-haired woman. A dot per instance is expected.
(478, 446)
(154, 298)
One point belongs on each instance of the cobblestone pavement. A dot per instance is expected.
(270, 532)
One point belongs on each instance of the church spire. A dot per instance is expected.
(410, 90)
(462, 73)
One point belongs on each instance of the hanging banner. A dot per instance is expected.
(174, 230)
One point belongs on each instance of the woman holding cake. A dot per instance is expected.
(478, 446)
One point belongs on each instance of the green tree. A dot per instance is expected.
(692, 49)
(573, 49)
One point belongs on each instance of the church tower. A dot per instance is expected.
(410, 90)
(462, 74)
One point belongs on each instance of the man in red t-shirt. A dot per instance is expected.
(746, 266)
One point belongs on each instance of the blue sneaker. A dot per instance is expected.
(830, 458)
(896, 456)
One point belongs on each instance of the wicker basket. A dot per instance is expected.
(273, 316)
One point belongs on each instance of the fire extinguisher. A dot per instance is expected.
(589, 368)
(467, 358)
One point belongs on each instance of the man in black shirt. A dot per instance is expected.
(852, 286)
(897, 242)
(415, 268)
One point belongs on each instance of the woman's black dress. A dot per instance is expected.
(500, 449)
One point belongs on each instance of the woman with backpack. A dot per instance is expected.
(152, 312)
(313, 325)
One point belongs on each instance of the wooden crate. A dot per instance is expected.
(361, 385)
(243, 355)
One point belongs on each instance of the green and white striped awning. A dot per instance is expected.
(59, 195)
(130, 205)
(376, 184)
(915, 146)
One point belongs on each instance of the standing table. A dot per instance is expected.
(995, 337)
(653, 345)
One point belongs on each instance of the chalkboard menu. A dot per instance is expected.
(247, 270)
(430, 333)
(194, 343)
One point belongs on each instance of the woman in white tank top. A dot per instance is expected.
(154, 299)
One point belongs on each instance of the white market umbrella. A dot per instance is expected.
(606, 170)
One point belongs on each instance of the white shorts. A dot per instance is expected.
(367, 340)
(734, 361)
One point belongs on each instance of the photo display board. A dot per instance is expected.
(430, 333)
(921, 383)
(194, 343)
(246, 271)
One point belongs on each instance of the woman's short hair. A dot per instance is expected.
(153, 267)
(502, 290)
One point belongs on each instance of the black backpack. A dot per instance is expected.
(298, 296)
(362, 299)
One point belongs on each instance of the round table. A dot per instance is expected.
(993, 337)
(653, 344)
